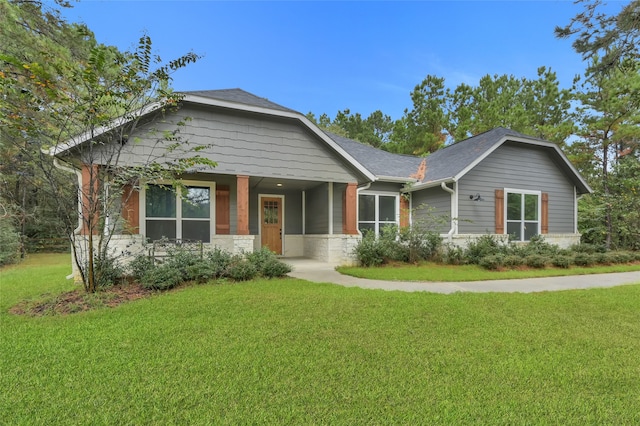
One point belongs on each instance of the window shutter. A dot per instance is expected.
(499, 211)
(544, 225)
(222, 210)
(131, 210)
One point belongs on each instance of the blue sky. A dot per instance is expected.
(323, 57)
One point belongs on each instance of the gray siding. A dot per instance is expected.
(246, 144)
(515, 167)
(433, 207)
(317, 214)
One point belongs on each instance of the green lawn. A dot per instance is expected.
(451, 273)
(293, 352)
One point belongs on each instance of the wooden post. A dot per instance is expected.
(242, 199)
(89, 196)
(349, 210)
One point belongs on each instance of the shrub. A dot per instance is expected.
(536, 261)
(274, 269)
(420, 243)
(182, 260)
(588, 248)
(583, 259)
(161, 277)
(219, 260)
(241, 270)
(561, 261)
(200, 271)
(140, 265)
(621, 256)
(484, 246)
(453, 255)
(513, 261)
(368, 251)
(492, 262)
(107, 271)
(260, 258)
(9, 242)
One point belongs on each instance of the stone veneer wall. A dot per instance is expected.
(331, 248)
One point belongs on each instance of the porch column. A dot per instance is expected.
(242, 200)
(89, 199)
(131, 210)
(349, 210)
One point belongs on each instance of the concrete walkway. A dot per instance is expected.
(313, 270)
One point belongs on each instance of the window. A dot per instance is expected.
(523, 214)
(376, 211)
(184, 215)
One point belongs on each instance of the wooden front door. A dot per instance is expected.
(271, 224)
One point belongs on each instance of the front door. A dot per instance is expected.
(271, 223)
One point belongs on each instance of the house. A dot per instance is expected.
(283, 183)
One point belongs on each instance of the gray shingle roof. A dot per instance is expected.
(442, 164)
(377, 161)
(238, 96)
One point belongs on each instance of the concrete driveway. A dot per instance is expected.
(313, 270)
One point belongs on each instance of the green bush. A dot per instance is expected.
(561, 261)
(274, 269)
(536, 261)
(260, 258)
(107, 271)
(219, 260)
(484, 246)
(513, 261)
(241, 270)
(492, 262)
(368, 251)
(453, 255)
(583, 259)
(183, 261)
(9, 242)
(420, 243)
(140, 265)
(162, 277)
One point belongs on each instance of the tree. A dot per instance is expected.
(105, 96)
(35, 51)
(611, 38)
(535, 107)
(609, 112)
(374, 130)
(422, 129)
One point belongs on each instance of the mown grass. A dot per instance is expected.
(434, 272)
(293, 352)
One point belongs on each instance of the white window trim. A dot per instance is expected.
(508, 191)
(197, 183)
(377, 208)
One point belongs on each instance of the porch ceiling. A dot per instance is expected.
(277, 184)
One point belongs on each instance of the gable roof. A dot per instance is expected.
(238, 96)
(451, 163)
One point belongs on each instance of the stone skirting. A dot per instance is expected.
(336, 249)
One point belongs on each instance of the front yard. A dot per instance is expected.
(287, 351)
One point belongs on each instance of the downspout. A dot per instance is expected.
(454, 208)
(358, 189)
(78, 174)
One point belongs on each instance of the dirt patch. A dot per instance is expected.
(80, 301)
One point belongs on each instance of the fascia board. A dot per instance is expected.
(396, 179)
(429, 184)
